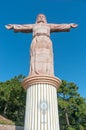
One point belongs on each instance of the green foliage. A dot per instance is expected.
(3, 122)
(12, 100)
(72, 107)
(70, 128)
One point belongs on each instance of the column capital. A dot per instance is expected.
(41, 79)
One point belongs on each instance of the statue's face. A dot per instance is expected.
(41, 19)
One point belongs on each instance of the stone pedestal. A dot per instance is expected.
(41, 103)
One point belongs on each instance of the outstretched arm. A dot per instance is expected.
(26, 28)
(62, 27)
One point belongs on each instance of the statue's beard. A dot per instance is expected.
(40, 21)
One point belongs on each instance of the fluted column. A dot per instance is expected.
(41, 103)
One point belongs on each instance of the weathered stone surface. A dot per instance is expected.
(9, 127)
(41, 47)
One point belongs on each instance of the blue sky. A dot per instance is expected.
(69, 48)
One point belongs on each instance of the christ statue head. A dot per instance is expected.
(41, 19)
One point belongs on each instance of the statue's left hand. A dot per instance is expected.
(73, 25)
(9, 26)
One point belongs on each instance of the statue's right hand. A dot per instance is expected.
(73, 25)
(9, 26)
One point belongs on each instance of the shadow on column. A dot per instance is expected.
(19, 128)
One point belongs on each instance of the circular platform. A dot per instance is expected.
(40, 79)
